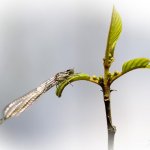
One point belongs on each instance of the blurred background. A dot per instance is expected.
(39, 38)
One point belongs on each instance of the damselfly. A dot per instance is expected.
(19, 105)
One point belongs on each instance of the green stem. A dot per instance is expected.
(76, 77)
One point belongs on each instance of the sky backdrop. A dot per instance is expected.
(39, 38)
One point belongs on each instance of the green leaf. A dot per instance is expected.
(135, 64)
(114, 32)
(148, 66)
(73, 78)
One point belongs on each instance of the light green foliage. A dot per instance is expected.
(135, 64)
(71, 79)
(114, 32)
(108, 78)
(76, 77)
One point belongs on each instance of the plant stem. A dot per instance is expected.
(106, 93)
(110, 128)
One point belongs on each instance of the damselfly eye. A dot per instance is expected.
(70, 71)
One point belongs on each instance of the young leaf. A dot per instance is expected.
(135, 64)
(114, 32)
(76, 77)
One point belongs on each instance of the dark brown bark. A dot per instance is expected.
(110, 128)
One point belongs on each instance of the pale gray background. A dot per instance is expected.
(39, 38)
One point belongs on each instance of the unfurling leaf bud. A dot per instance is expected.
(110, 55)
(94, 77)
(116, 73)
(100, 77)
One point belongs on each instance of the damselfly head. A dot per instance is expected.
(70, 71)
(61, 76)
